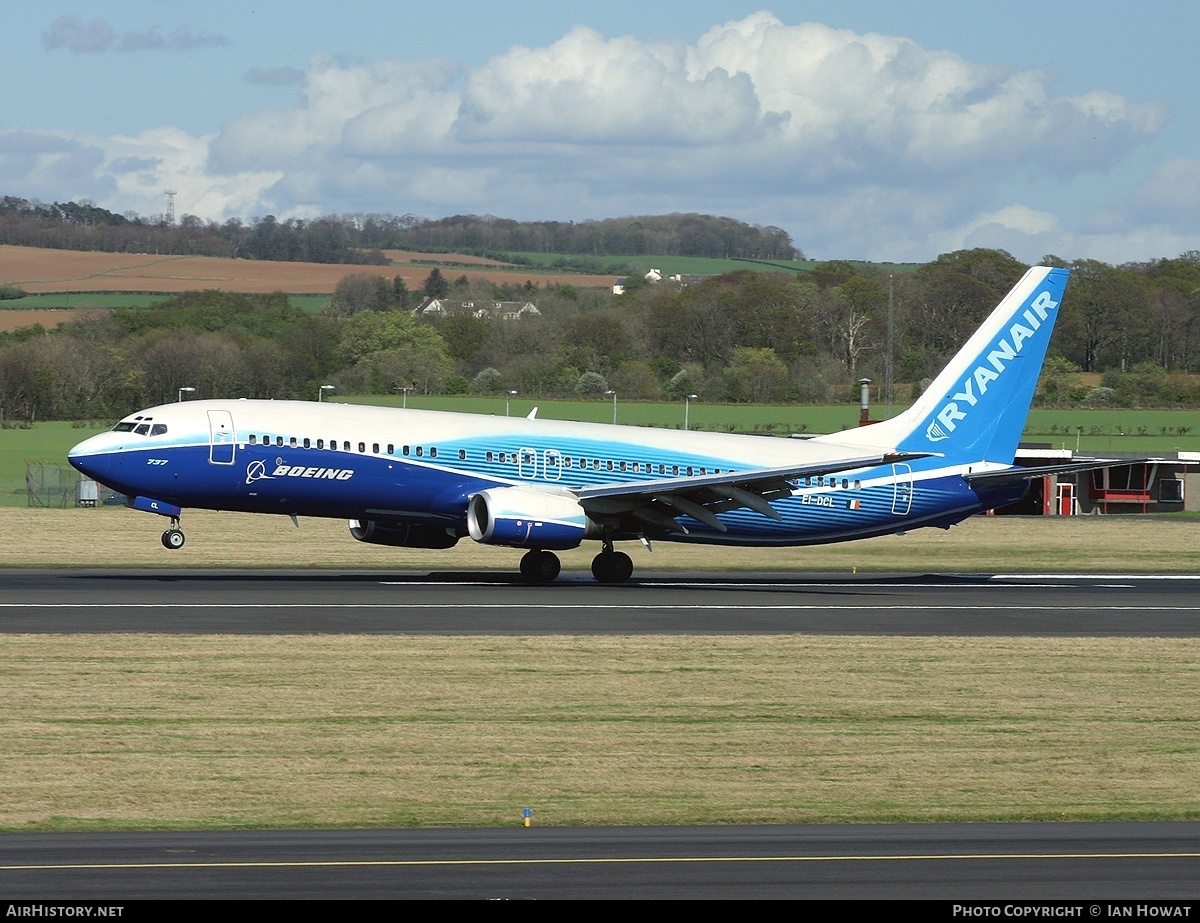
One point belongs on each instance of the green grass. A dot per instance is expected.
(76, 300)
(44, 442)
(72, 300)
(694, 265)
(668, 265)
(200, 732)
(1116, 430)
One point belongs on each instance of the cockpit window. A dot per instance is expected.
(158, 429)
(142, 429)
(123, 428)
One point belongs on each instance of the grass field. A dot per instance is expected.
(168, 731)
(161, 731)
(71, 301)
(697, 265)
(670, 265)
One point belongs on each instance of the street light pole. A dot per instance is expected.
(614, 397)
(687, 405)
(321, 391)
(508, 396)
(182, 391)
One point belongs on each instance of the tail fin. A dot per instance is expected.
(975, 409)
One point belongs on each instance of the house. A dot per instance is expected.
(505, 310)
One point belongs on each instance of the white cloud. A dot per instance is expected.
(53, 167)
(585, 89)
(1169, 196)
(859, 145)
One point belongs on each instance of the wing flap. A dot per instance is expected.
(659, 503)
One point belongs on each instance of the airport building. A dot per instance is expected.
(1168, 484)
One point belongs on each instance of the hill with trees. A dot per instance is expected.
(361, 238)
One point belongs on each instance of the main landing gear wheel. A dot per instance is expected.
(612, 567)
(172, 539)
(540, 566)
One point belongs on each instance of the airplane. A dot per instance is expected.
(426, 479)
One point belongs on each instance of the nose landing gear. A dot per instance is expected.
(173, 538)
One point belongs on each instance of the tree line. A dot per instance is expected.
(660, 235)
(745, 336)
(360, 238)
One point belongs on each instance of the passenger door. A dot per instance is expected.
(222, 439)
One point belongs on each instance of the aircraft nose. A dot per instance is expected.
(83, 457)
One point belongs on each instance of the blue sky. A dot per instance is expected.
(867, 130)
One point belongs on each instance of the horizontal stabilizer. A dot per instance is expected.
(1011, 475)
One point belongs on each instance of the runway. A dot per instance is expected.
(1095, 866)
(1094, 863)
(289, 602)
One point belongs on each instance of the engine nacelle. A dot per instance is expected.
(522, 517)
(401, 534)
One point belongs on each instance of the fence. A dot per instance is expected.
(49, 484)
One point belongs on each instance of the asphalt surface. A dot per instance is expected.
(1093, 865)
(276, 602)
(1090, 864)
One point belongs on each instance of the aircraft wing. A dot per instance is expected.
(658, 503)
(1008, 475)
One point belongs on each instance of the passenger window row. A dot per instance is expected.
(553, 459)
(346, 446)
(820, 481)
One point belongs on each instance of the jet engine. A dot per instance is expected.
(402, 534)
(521, 517)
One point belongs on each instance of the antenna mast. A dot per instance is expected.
(170, 194)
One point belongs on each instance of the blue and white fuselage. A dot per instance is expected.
(427, 479)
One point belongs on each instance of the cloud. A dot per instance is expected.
(53, 167)
(387, 110)
(1170, 196)
(274, 76)
(181, 39)
(75, 35)
(585, 89)
(860, 145)
(754, 101)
